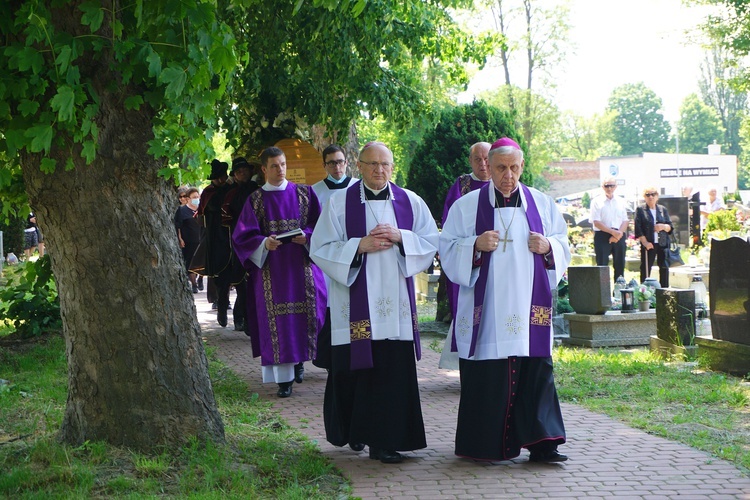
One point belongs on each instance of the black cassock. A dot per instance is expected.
(506, 405)
(379, 406)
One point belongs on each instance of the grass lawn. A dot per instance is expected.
(264, 458)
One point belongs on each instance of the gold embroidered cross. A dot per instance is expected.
(541, 315)
(360, 330)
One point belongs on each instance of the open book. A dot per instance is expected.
(287, 237)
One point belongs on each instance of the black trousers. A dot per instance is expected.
(647, 262)
(603, 248)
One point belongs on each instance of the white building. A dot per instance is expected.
(669, 173)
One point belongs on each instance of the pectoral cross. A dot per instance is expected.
(505, 240)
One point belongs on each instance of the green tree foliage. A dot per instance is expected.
(638, 125)
(586, 200)
(443, 154)
(699, 126)
(29, 300)
(718, 90)
(537, 43)
(172, 58)
(327, 63)
(586, 139)
(13, 238)
(540, 115)
(720, 224)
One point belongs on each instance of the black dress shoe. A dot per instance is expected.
(299, 372)
(386, 456)
(547, 457)
(195, 288)
(285, 390)
(221, 316)
(239, 326)
(357, 446)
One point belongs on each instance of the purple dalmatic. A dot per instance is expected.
(286, 291)
(464, 184)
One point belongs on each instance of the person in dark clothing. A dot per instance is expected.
(234, 201)
(216, 237)
(652, 228)
(189, 231)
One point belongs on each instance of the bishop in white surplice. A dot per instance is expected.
(506, 247)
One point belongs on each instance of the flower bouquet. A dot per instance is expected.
(643, 295)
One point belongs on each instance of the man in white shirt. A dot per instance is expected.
(609, 218)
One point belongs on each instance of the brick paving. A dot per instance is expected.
(607, 458)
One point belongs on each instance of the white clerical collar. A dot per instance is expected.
(339, 181)
(375, 191)
(270, 187)
(477, 178)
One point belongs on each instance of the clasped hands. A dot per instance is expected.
(489, 241)
(273, 244)
(382, 237)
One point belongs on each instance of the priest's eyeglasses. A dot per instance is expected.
(335, 163)
(385, 165)
(652, 194)
(610, 185)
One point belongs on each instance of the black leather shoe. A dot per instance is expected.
(357, 446)
(239, 326)
(285, 390)
(195, 288)
(386, 456)
(547, 457)
(221, 316)
(299, 372)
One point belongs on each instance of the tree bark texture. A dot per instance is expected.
(137, 369)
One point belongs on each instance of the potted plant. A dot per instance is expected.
(643, 296)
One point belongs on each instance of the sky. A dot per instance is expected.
(618, 42)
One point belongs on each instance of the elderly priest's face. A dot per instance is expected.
(506, 170)
(376, 166)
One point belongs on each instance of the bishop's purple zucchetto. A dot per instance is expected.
(505, 141)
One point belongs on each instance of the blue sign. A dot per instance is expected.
(614, 170)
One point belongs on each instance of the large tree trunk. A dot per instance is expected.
(137, 370)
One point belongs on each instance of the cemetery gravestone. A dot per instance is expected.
(589, 288)
(729, 290)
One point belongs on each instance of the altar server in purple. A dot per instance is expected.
(287, 300)
(506, 246)
(371, 239)
(479, 176)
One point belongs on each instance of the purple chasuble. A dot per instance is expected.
(540, 315)
(287, 295)
(360, 331)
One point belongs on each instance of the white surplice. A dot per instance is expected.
(504, 327)
(333, 251)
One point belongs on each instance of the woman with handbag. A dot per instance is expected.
(652, 228)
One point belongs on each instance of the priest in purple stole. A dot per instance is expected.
(371, 239)
(506, 246)
(479, 176)
(287, 300)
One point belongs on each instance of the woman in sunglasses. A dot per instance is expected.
(652, 228)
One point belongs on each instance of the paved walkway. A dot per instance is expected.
(607, 459)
